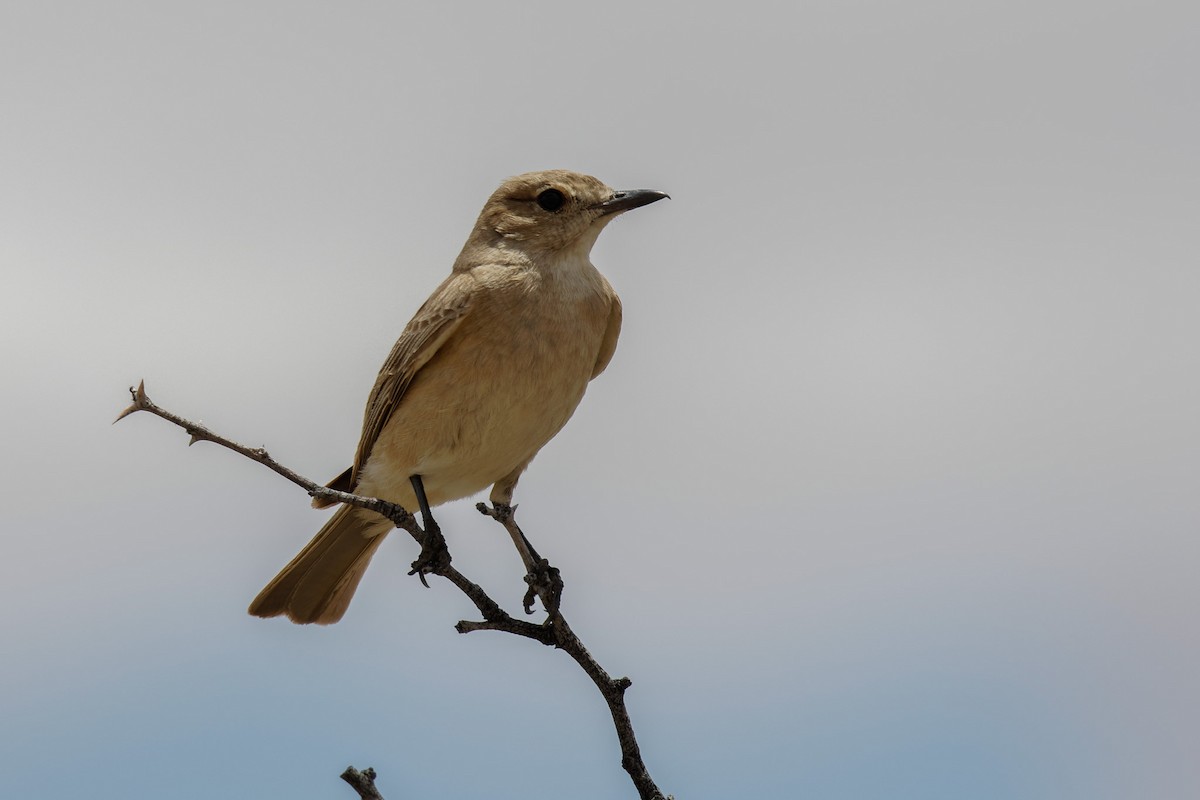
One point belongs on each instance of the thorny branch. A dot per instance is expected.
(543, 581)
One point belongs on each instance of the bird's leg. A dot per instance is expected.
(543, 579)
(434, 556)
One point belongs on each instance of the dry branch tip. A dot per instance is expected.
(362, 782)
(140, 401)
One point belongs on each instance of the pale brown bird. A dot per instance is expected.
(488, 370)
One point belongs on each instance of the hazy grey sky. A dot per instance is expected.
(891, 490)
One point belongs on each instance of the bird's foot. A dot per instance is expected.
(545, 582)
(435, 556)
(501, 512)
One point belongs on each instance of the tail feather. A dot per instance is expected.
(318, 584)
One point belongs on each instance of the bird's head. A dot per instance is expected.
(553, 210)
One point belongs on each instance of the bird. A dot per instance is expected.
(486, 372)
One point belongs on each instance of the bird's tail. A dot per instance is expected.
(320, 582)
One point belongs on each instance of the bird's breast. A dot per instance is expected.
(496, 391)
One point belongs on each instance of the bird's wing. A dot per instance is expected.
(608, 345)
(429, 328)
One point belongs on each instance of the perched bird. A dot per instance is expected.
(488, 370)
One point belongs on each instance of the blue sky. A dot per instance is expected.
(890, 490)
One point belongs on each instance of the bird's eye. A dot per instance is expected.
(551, 200)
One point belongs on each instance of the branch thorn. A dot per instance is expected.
(140, 402)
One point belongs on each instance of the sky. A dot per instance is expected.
(892, 489)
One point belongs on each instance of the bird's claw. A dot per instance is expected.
(500, 512)
(434, 557)
(544, 582)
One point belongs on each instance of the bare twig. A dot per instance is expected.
(199, 433)
(543, 581)
(362, 782)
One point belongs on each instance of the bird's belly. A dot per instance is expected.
(480, 409)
